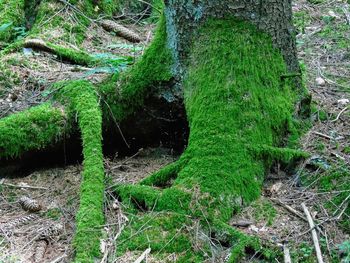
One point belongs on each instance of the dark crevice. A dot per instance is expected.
(140, 131)
(31, 10)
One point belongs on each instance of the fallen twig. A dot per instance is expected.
(143, 256)
(289, 208)
(286, 252)
(23, 186)
(340, 113)
(323, 135)
(313, 233)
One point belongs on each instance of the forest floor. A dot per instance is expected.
(322, 181)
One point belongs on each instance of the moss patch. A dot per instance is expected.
(34, 129)
(141, 80)
(11, 16)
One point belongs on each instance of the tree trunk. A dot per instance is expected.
(270, 16)
(237, 66)
(234, 64)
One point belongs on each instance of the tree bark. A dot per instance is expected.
(270, 16)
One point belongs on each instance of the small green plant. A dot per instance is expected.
(344, 249)
(53, 213)
(20, 32)
(301, 21)
(264, 210)
(306, 252)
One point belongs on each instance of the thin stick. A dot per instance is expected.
(313, 233)
(289, 208)
(23, 186)
(287, 258)
(143, 256)
(58, 259)
(340, 113)
(323, 135)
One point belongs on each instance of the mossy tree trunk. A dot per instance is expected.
(235, 65)
(231, 59)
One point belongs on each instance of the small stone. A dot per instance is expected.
(320, 81)
(115, 205)
(275, 188)
(254, 228)
(343, 101)
(332, 14)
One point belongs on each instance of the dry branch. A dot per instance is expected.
(143, 256)
(23, 186)
(289, 208)
(287, 258)
(313, 233)
(38, 44)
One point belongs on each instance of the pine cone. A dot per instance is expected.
(40, 249)
(29, 204)
(121, 31)
(51, 232)
(19, 221)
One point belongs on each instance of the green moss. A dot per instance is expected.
(15, 46)
(140, 80)
(76, 56)
(81, 98)
(11, 16)
(50, 22)
(264, 210)
(53, 213)
(239, 111)
(162, 232)
(234, 98)
(109, 7)
(34, 129)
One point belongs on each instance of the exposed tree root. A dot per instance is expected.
(66, 54)
(30, 130)
(82, 100)
(41, 126)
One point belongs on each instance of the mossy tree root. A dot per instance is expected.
(66, 54)
(40, 126)
(33, 129)
(81, 98)
(239, 112)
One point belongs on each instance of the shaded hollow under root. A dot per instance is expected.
(239, 112)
